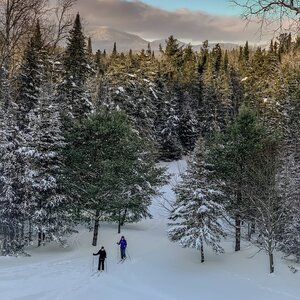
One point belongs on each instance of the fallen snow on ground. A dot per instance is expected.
(156, 269)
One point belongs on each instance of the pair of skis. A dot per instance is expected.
(121, 261)
(97, 273)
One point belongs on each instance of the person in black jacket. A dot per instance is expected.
(102, 256)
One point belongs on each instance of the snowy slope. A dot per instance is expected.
(157, 270)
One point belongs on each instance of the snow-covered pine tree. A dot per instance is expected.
(39, 123)
(209, 111)
(31, 76)
(47, 203)
(289, 177)
(196, 213)
(189, 99)
(13, 212)
(168, 109)
(128, 85)
(289, 183)
(74, 97)
(167, 124)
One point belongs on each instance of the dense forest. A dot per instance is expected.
(82, 130)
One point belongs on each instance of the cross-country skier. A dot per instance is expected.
(102, 256)
(123, 245)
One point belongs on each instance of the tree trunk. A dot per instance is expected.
(5, 240)
(123, 217)
(43, 238)
(96, 228)
(30, 232)
(119, 226)
(39, 238)
(22, 231)
(253, 227)
(202, 252)
(17, 235)
(238, 216)
(249, 232)
(12, 241)
(119, 222)
(271, 261)
(237, 232)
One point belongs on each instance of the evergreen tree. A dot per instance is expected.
(129, 85)
(114, 51)
(167, 127)
(289, 179)
(196, 214)
(39, 131)
(217, 58)
(209, 108)
(189, 98)
(172, 59)
(47, 203)
(230, 154)
(31, 76)
(246, 52)
(89, 50)
(110, 171)
(289, 183)
(75, 99)
(12, 209)
(29, 89)
(204, 54)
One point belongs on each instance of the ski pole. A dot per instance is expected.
(106, 266)
(128, 253)
(93, 259)
(118, 253)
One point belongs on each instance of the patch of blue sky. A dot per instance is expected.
(215, 7)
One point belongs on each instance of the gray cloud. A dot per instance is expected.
(154, 23)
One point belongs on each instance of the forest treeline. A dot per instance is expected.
(81, 131)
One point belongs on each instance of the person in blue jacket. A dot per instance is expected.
(123, 245)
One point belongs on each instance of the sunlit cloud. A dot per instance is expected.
(154, 23)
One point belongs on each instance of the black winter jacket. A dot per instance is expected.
(102, 254)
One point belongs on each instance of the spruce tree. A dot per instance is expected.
(39, 124)
(246, 52)
(217, 58)
(75, 99)
(110, 172)
(230, 154)
(32, 74)
(196, 213)
(46, 200)
(13, 211)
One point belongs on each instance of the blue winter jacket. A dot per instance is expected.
(122, 243)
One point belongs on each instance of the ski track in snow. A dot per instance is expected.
(155, 268)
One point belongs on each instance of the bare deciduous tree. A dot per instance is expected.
(59, 21)
(280, 14)
(17, 18)
(267, 206)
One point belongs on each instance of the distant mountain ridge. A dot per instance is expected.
(105, 37)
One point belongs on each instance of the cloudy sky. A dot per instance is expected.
(188, 20)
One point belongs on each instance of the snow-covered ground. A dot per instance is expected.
(156, 269)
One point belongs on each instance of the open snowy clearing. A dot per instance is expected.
(157, 269)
